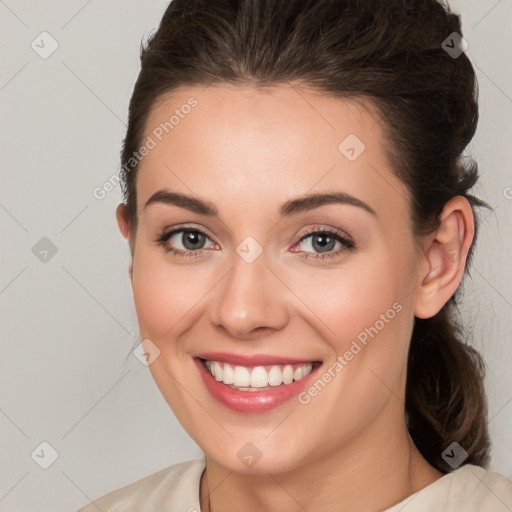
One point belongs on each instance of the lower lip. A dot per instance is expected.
(252, 401)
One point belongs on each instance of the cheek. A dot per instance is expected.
(165, 295)
(365, 316)
(364, 312)
(351, 299)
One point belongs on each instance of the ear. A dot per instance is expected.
(124, 227)
(444, 257)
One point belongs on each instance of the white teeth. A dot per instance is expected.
(228, 375)
(241, 376)
(275, 376)
(288, 374)
(257, 376)
(216, 370)
(297, 374)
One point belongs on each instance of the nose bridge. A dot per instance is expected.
(250, 298)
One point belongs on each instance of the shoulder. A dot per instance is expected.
(173, 488)
(469, 488)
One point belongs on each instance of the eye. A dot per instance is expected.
(189, 242)
(184, 242)
(323, 241)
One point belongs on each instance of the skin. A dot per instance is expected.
(247, 151)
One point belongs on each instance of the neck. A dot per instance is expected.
(392, 469)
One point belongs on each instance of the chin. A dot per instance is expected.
(249, 459)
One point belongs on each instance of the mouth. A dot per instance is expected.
(257, 378)
(255, 388)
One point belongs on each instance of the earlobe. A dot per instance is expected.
(445, 258)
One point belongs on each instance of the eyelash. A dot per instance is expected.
(348, 245)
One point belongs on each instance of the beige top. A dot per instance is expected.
(176, 489)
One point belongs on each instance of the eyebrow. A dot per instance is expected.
(290, 207)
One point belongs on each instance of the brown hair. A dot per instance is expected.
(387, 51)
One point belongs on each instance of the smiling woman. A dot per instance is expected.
(298, 241)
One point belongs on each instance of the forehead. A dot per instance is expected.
(244, 144)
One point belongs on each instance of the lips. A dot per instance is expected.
(253, 400)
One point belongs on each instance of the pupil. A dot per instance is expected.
(323, 242)
(192, 237)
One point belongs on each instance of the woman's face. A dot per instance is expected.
(266, 272)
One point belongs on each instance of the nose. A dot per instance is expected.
(250, 301)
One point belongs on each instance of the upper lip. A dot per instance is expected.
(251, 360)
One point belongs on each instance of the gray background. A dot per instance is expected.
(69, 322)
